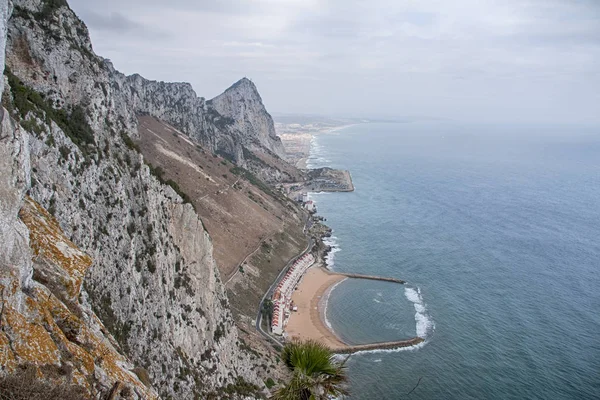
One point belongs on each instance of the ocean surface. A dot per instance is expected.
(497, 231)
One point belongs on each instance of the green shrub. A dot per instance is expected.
(129, 142)
(131, 228)
(50, 6)
(219, 332)
(74, 124)
(243, 388)
(250, 177)
(64, 152)
(269, 383)
(32, 126)
(227, 156)
(151, 266)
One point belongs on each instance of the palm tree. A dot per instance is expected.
(316, 374)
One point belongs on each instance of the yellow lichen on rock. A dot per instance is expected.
(45, 325)
(63, 259)
(31, 342)
(7, 357)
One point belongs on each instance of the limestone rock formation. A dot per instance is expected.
(44, 323)
(149, 277)
(242, 105)
(233, 120)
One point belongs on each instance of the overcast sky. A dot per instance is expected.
(472, 60)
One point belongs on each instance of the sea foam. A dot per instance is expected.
(326, 304)
(317, 157)
(424, 323)
(398, 350)
(330, 257)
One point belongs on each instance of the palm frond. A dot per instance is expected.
(317, 373)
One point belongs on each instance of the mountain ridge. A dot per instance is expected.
(153, 281)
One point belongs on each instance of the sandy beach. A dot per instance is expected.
(307, 322)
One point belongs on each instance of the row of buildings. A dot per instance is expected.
(282, 297)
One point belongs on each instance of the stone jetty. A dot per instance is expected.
(379, 346)
(371, 277)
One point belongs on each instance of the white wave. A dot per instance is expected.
(330, 257)
(331, 241)
(377, 360)
(413, 295)
(340, 357)
(318, 156)
(314, 196)
(424, 323)
(326, 304)
(377, 300)
(398, 350)
(420, 308)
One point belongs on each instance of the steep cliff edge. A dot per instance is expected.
(231, 120)
(242, 105)
(47, 327)
(234, 124)
(153, 281)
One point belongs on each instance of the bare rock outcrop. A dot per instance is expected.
(121, 256)
(44, 323)
(242, 105)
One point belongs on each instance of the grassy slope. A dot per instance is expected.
(241, 217)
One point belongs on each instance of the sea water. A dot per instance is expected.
(496, 229)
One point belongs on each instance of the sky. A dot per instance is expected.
(468, 60)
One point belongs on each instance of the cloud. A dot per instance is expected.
(462, 58)
(115, 23)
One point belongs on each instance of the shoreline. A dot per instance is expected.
(311, 295)
(311, 299)
(303, 161)
(310, 322)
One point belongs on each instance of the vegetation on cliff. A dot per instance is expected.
(316, 373)
(25, 100)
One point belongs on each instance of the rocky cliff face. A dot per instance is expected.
(152, 280)
(46, 322)
(235, 119)
(242, 105)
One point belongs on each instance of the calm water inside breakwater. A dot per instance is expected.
(497, 231)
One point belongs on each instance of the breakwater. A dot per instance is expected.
(379, 346)
(371, 277)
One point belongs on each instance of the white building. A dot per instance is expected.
(282, 297)
(310, 205)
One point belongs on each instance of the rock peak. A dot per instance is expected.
(242, 104)
(243, 84)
